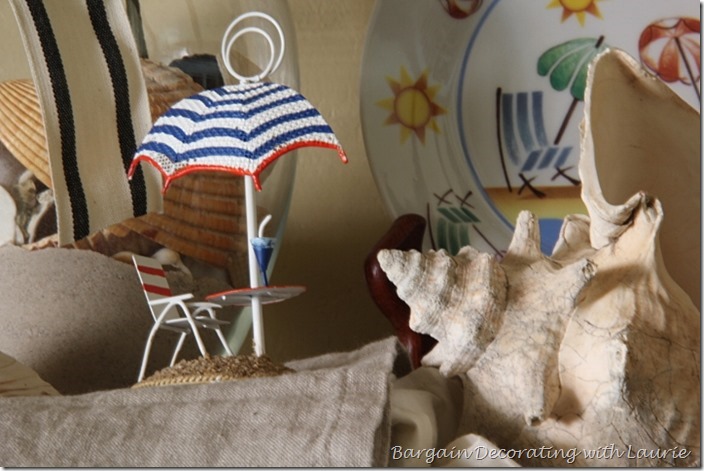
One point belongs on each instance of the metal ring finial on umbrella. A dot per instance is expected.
(269, 66)
(274, 60)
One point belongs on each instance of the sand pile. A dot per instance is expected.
(213, 369)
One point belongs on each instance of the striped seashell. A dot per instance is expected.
(22, 125)
(203, 218)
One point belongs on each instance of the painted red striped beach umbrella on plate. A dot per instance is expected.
(670, 48)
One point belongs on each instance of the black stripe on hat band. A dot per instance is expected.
(64, 110)
(120, 87)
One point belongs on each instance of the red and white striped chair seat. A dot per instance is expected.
(172, 312)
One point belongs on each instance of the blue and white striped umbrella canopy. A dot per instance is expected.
(238, 129)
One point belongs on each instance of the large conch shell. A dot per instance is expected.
(592, 353)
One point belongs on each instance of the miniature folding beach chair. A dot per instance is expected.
(165, 309)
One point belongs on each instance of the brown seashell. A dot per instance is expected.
(115, 239)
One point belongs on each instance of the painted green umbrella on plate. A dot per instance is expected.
(566, 65)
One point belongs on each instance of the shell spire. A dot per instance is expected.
(469, 288)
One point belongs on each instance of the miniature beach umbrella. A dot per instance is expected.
(239, 129)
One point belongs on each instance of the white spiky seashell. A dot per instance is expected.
(488, 316)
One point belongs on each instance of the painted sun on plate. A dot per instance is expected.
(412, 106)
(578, 8)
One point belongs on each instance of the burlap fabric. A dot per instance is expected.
(334, 411)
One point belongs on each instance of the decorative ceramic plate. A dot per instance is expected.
(471, 108)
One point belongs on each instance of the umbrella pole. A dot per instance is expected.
(257, 321)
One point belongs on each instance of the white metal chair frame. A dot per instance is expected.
(164, 308)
